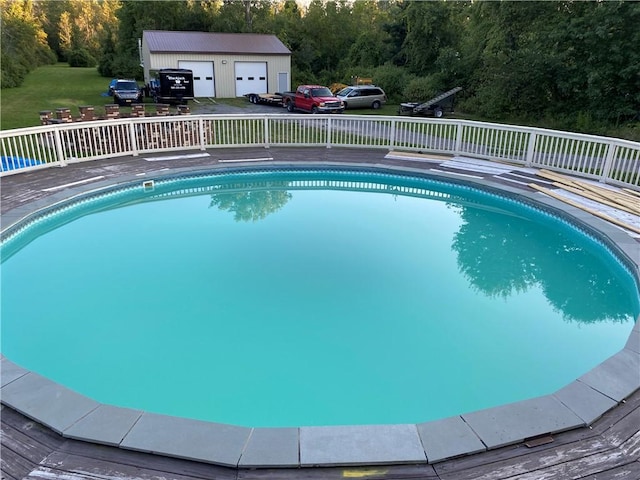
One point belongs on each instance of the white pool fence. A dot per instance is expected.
(608, 160)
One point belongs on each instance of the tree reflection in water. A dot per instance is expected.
(500, 250)
(250, 201)
(501, 255)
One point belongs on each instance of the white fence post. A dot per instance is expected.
(329, 127)
(392, 134)
(203, 138)
(608, 162)
(59, 150)
(267, 136)
(531, 145)
(133, 138)
(458, 147)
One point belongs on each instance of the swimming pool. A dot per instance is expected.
(287, 290)
(231, 193)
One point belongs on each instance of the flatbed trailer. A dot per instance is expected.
(275, 99)
(436, 106)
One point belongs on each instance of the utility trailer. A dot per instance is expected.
(276, 99)
(436, 106)
(171, 85)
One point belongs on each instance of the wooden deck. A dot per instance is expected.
(609, 450)
(21, 189)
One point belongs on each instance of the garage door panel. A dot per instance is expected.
(203, 78)
(251, 77)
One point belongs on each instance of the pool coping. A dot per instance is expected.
(576, 405)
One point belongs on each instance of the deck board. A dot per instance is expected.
(119, 467)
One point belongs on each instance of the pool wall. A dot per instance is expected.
(576, 405)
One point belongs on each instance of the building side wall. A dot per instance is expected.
(223, 67)
(146, 61)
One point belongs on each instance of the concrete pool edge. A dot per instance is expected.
(576, 405)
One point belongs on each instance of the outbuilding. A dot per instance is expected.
(224, 65)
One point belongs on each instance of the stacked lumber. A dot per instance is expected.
(624, 199)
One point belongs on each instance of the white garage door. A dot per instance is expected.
(251, 77)
(203, 82)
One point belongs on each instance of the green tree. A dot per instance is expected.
(51, 12)
(509, 69)
(23, 44)
(133, 19)
(81, 22)
(430, 28)
(327, 30)
(232, 17)
(598, 60)
(369, 44)
(65, 34)
(108, 54)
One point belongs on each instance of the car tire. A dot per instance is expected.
(438, 113)
(345, 105)
(376, 105)
(290, 107)
(314, 110)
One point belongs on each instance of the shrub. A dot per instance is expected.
(423, 88)
(393, 80)
(13, 72)
(81, 58)
(105, 66)
(126, 68)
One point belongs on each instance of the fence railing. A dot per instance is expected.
(608, 160)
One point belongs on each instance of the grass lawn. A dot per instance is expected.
(386, 110)
(48, 88)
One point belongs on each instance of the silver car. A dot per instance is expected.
(362, 96)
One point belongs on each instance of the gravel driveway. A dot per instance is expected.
(207, 106)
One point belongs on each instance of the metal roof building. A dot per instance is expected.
(224, 64)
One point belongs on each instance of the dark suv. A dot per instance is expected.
(126, 92)
(362, 96)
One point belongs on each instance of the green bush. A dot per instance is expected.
(105, 66)
(393, 80)
(13, 72)
(423, 88)
(630, 131)
(81, 57)
(303, 77)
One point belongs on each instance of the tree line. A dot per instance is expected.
(562, 64)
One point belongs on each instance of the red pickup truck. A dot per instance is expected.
(312, 98)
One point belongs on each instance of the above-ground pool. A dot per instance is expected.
(290, 298)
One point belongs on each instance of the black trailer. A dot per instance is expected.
(171, 85)
(436, 106)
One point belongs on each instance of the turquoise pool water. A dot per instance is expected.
(310, 298)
